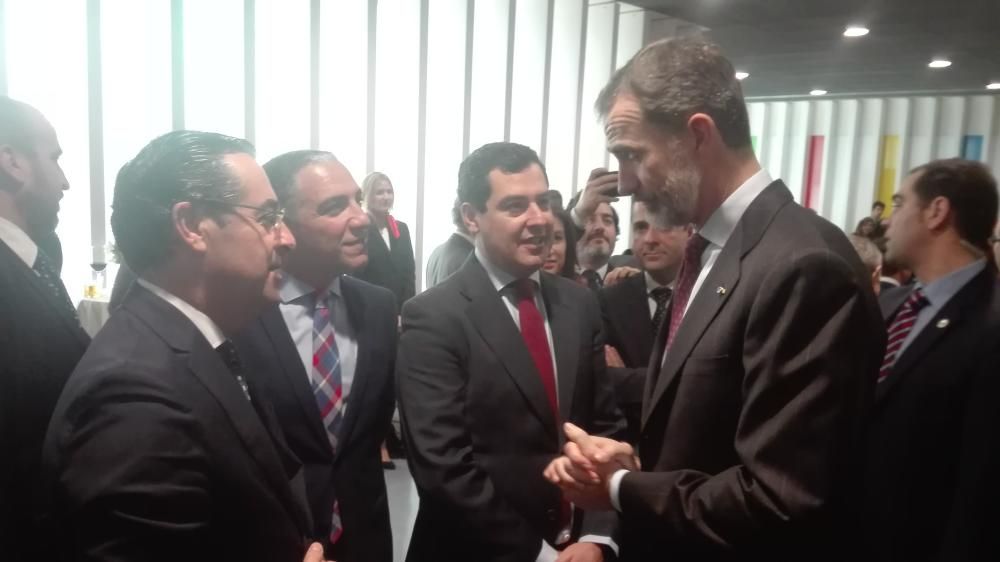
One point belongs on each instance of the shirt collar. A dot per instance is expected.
(890, 280)
(19, 242)
(602, 271)
(292, 288)
(941, 290)
(200, 320)
(722, 222)
(499, 277)
(652, 283)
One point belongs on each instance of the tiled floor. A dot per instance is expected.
(403, 503)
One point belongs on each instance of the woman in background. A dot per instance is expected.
(390, 252)
(562, 256)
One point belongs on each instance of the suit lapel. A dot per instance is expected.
(207, 367)
(638, 307)
(356, 315)
(946, 321)
(492, 320)
(44, 294)
(565, 324)
(292, 369)
(707, 303)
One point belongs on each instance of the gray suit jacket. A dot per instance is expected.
(752, 430)
(447, 258)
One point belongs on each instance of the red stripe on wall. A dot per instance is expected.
(814, 172)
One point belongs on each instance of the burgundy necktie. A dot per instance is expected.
(685, 283)
(533, 332)
(900, 328)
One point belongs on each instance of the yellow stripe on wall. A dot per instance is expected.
(888, 170)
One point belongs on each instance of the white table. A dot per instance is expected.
(93, 314)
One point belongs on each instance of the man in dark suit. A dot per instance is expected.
(761, 376)
(490, 362)
(942, 332)
(633, 308)
(159, 447)
(447, 258)
(40, 335)
(597, 231)
(340, 452)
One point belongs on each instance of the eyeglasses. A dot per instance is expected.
(267, 217)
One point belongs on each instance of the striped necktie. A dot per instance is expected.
(327, 387)
(47, 275)
(900, 328)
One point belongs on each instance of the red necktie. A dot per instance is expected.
(901, 326)
(685, 283)
(533, 332)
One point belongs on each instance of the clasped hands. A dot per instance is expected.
(585, 469)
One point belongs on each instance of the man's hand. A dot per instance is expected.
(585, 470)
(581, 552)
(617, 274)
(315, 553)
(612, 357)
(602, 187)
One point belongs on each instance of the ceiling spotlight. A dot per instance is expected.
(940, 63)
(993, 86)
(740, 75)
(817, 93)
(856, 31)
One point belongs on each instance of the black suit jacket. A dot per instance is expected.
(354, 475)
(752, 428)
(154, 452)
(447, 258)
(916, 437)
(478, 426)
(391, 266)
(40, 343)
(629, 329)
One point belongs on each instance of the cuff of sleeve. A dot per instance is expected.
(547, 553)
(577, 219)
(614, 485)
(598, 539)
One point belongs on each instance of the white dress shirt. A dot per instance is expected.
(717, 230)
(384, 232)
(501, 282)
(201, 321)
(19, 242)
(298, 304)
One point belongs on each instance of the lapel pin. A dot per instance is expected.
(943, 323)
(721, 291)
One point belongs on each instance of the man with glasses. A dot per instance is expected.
(160, 448)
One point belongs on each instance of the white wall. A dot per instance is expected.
(406, 87)
(854, 130)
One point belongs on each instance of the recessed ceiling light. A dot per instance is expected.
(940, 63)
(817, 93)
(993, 86)
(856, 31)
(740, 75)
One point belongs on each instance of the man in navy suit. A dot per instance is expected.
(324, 355)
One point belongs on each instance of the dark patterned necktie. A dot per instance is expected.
(43, 268)
(686, 278)
(593, 279)
(227, 351)
(900, 329)
(660, 295)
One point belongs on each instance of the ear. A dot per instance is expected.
(188, 225)
(702, 128)
(13, 165)
(937, 213)
(471, 218)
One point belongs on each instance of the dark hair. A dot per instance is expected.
(283, 170)
(969, 188)
(178, 166)
(674, 78)
(474, 172)
(864, 221)
(878, 204)
(569, 268)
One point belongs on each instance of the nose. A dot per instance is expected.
(360, 220)
(628, 181)
(285, 240)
